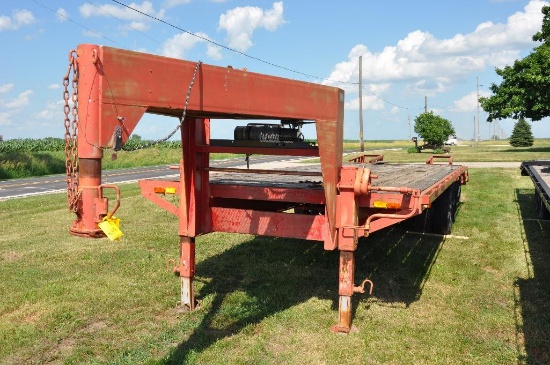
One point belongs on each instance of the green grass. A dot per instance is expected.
(28, 164)
(481, 300)
(465, 152)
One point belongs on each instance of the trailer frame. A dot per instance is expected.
(341, 203)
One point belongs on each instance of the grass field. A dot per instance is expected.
(28, 164)
(482, 298)
(485, 151)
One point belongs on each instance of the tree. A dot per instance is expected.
(433, 128)
(522, 135)
(523, 92)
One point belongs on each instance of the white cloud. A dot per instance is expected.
(240, 23)
(5, 88)
(18, 19)
(21, 100)
(468, 102)
(371, 99)
(54, 87)
(177, 45)
(125, 13)
(173, 3)
(419, 57)
(139, 26)
(51, 111)
(214, 52)
(62, 15)
(180, 44)
(5, 118)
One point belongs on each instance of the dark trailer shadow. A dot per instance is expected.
(532, 295)
(277, 274)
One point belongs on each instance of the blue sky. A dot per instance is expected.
(411, 50)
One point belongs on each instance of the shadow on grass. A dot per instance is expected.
(530, 149)
(263, 276)
(533, 294)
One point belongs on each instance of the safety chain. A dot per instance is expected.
(181, 119)
(71, 132)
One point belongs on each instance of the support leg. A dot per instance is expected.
(187, 271)
(346, 275)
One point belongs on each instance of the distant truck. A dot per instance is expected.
(539, 171)
(428, 146)
(451, 141)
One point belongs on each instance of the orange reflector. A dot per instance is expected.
(159, 190)
(386, 205)
(394, 205)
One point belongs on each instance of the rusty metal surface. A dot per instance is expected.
(132, 83)
(414, 176)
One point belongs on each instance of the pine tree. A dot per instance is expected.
(522, 135)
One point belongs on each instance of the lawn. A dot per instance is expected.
(485, 151)
(481, 297)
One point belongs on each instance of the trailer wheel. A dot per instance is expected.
(423, 222)
(443, 212)
(456, 191)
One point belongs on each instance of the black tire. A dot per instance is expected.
(443, 212)
(423, 222)
(456, 191)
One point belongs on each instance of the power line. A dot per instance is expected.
(229, 48)
(123, 22)
(212, 42)
(389, 102)
(77, 23)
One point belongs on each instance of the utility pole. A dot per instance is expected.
(361, 103)
(477, 102)
(425, 104)
(475, 138)
(409, 117)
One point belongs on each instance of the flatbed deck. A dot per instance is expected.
(415, 176)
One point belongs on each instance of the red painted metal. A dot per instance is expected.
(364, 158)
(148, 191)
(430, 161)
(117, 87)
(308, 227)
(262, 193)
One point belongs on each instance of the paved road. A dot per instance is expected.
(19, 188)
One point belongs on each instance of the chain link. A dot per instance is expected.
(71, 131)
(187, 97)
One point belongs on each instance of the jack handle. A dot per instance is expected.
(117, 190)
(361, 288)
